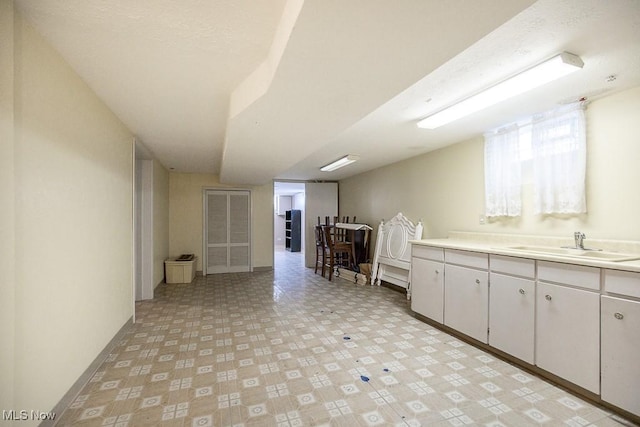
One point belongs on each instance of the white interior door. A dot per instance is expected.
(227, 231)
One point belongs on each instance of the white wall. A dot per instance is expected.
(72, 180)
(185, 217)
(445, 188)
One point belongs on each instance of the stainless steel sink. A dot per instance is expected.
(577, 253)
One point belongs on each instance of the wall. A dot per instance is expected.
(7, 213)
(185, 217)
(160, 220)
(445, 188)
(321, 200)
(72, 174)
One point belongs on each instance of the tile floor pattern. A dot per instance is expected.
(289, 348)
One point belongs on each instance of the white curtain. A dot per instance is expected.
(559, 151)
(502, 173)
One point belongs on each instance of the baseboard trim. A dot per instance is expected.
(265, 268)
(75, 389)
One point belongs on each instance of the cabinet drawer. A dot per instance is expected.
(569, 274)
(467, 258)
(427, 252)
(622, 282)
(513, 266)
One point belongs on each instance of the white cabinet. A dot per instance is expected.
(427, 282)
(283, 204)
(512, 306)
(579, 323)
(568, 334)
(466, 293)
(620, 322)
(620, 351)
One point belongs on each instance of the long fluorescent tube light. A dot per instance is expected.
(549, 70)
(346, 160)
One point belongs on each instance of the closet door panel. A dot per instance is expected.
(227, 231)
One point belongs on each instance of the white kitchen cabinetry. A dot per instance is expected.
(580, 323)
(620, 322)
(283, 204)
(466, 293)
(427, 282)
(512, 306)
(568, 324)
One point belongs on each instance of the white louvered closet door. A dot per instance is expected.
(227, 231)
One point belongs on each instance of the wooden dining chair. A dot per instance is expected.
(321, 250)
(339, 253)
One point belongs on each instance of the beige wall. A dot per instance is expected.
(185, 216)
(160, 220)
(72, 174)
(7, 212)
(445, 188)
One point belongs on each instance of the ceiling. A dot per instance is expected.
(274, 89)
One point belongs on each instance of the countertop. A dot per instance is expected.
(501, 246)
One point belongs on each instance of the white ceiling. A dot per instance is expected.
(274, 89)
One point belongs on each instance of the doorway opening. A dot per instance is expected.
(289, 221)
(143, 223)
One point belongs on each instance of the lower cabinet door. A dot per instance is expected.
(568, 334)
(620, 320)
(466, 301)
(427, 288)
(512, 315)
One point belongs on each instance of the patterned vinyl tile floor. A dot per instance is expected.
(290, 348)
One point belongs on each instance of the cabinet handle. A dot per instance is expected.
(548, 297)
(619, 316)
(437, 271)
(478, 281)
(521, 291)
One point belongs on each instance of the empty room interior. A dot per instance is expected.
(320, 212)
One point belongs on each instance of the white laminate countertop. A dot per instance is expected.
(503, 248)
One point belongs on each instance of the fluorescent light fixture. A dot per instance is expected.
(346, 160)
(549, 70)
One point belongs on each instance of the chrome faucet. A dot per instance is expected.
(579, 239)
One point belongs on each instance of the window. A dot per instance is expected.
(555, 143)
(559, 152)
(502, 173)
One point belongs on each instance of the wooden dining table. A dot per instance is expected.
(360, 236)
